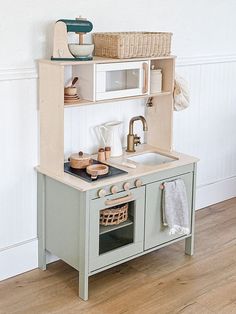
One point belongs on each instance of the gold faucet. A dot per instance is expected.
(134, 139)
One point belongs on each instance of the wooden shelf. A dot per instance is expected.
(102, 60)
(105, 229)
(85, 102)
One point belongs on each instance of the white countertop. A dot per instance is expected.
(140, 170)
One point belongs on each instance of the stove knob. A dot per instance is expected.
(114, 189)
(102, 193)
(126, 186)
(138, 183)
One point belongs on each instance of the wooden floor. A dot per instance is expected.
(165, 281)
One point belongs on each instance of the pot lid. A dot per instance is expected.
(80, 156)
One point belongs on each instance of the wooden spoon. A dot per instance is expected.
(74, 81)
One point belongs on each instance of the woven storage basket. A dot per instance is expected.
(132, 44)
(114, 216)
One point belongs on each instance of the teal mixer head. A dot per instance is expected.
(77, 25)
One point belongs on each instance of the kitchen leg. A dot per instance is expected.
(83, 286)
(41, 221)
(83, 245)
(189, 245)
(189, 242)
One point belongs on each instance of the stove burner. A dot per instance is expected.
(82, 174)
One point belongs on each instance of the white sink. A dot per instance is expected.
(151, 159)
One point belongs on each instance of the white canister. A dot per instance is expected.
(155, 81)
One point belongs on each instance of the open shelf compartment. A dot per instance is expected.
(85, 84)
(167, 67)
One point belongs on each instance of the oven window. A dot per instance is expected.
(122, 79)
(116, 234)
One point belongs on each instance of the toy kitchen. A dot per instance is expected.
(98, 210)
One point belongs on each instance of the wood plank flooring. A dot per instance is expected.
(165, 281)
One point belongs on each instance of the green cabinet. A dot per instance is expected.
(155, 233)
(69, 223)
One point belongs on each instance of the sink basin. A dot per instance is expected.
(151, 159)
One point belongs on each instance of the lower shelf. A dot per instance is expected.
(84, 102)
(116, 238)
(105, 229)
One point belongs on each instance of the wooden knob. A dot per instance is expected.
(126, 186)
(138, 183)
(101, 193)
(114, 189)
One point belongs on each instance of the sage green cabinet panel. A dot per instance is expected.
(62, 207)
(155, 232)
(107, 246)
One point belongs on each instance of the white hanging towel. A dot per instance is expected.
(181, 94)
(175, 211)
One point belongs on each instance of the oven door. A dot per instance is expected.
(112, 243)
(123, 79)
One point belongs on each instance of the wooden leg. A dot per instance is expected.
(83, 286)
(189, 245)
(84, 246)
(41, 221)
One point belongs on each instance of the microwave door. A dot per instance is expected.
(120, 80)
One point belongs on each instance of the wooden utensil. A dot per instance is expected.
(74, 81)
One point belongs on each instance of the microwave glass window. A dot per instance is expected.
(122, 79)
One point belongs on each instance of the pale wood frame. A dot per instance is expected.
(51, 107)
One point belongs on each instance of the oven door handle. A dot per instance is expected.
(119, 200)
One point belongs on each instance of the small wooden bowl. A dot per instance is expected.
(97, 170)
(70, 91)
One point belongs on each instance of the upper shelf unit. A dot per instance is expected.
(101, 80)
(104, 79)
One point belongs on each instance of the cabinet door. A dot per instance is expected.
(110, 244)
(155, 233)
(123, 79)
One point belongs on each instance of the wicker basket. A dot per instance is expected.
(132, 44)
(114, 216)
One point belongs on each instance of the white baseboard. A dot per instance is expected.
(18, 259)
(50, 258)
(215, 192)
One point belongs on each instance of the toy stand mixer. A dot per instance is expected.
(62, 50)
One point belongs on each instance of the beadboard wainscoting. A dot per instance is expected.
(206, 129)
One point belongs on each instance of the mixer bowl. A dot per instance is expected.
(84, 50)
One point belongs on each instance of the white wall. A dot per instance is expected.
(203, 40)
